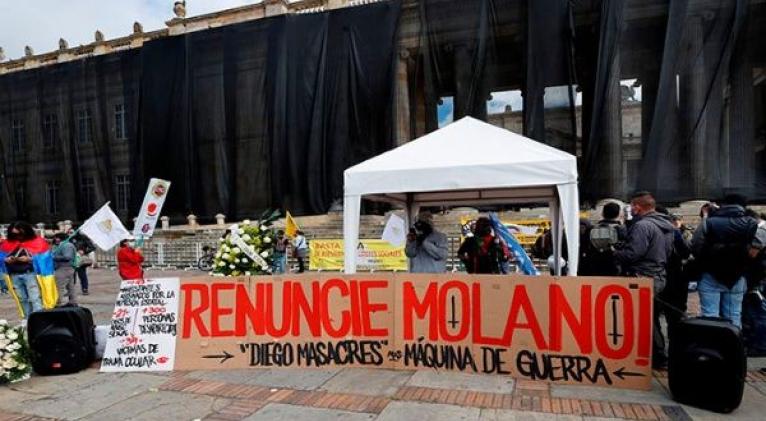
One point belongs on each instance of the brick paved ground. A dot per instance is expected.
(342, 394)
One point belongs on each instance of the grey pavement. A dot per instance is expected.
(315, 394)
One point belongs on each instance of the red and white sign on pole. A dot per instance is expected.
(151, 208)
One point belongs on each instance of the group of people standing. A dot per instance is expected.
(482, 251)
(724, 256)
(26, 257)
(300, 247)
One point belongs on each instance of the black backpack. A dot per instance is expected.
(62, 340)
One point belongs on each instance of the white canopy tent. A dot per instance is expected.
(469, 162)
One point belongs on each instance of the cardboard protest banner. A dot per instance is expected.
(151, 208)
(370, 255)
(142, 335)
(590, 331)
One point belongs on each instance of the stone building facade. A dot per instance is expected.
(98, 106)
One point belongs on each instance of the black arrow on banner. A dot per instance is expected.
(223, 357)
(621, 373)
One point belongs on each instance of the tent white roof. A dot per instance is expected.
(468, 162)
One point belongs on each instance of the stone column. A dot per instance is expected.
(165, 222)
(692, 99)
(649, 85)
(611, 159)
(220, 219)
(192, 220)
(741, 123)
(402, 99)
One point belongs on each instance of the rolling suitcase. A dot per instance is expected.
(62, 340)
(707, 364)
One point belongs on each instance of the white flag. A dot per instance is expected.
(105, 228)
(394, 232)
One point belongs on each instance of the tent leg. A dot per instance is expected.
(351, 209)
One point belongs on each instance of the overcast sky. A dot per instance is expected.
(40, 23)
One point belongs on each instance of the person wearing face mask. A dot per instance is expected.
(426, 247)
(129, 261)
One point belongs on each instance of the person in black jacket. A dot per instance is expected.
(721, 247)
(676, 293)
(601, 261)
(646, 253)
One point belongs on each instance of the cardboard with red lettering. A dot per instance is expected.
(142, 335)
(592, 331)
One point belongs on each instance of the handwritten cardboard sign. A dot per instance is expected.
(142, 336)
(593, 331)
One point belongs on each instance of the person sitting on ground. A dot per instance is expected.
(65, 258)
(426, 247)
(645, 253)
(607, 234)
(720, 246)
(481, 253)
(129, 261)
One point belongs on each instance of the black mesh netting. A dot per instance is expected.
(664, 95)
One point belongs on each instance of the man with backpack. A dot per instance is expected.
(721, 247)
(608, 233)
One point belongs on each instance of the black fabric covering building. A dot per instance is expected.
(268, 113)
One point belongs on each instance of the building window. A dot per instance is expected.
(52, 197)
(88, 188)
(18, 135)
(123, 192)
(120, 132)
(84, 132)
(50, 131)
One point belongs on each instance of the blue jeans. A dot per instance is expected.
(279, 263)
(718, 301)
(28, 292)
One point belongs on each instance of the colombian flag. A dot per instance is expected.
(42, 261)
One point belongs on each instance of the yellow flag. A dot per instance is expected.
(291, 227)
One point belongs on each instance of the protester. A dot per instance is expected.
(279, 260)
(720, 245)
(85, 251)
(300, 250)
(645, 253)
(129, 261)
(3, 285)
(17, 265)
(674, 297)
(608, 233)
(483, 252)
(426, 247)
(85, 261)
(65, 260)
(754, 303)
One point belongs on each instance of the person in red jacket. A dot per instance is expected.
(129, 262)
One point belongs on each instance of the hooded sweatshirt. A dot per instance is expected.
(648, 247)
